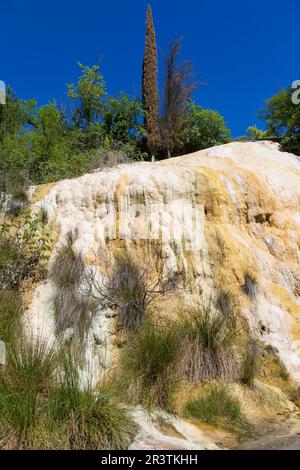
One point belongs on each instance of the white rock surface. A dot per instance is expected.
(247, 192)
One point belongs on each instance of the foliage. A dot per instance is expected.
(15, 114)
(283, 120)
(204, 128)
(122, 119)
(87, 94)
(23, 248)
(150, 364)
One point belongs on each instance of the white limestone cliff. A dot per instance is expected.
(239, 201)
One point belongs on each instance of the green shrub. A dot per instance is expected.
(208, 336)
(90, 419)
(23, 250)
(216, 406)
(10, 313)
(150, 364)
(250, 363)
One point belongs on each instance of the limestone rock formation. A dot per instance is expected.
(217, 214)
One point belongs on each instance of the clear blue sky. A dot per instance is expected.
(244, 50)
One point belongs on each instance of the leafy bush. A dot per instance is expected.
(216, 406)
(23, 249)
(208, 336)
(150, 364)
(90, 419)
(250, 364)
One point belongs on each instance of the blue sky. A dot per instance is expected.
(244, 51)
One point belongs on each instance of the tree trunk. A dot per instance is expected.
(168, 153)
(152, 158)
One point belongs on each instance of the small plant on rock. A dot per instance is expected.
(250, 286)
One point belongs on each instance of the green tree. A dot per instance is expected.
(283, 120)
(204, 128)
(49, 143)
(122, 119)
(15, 114)
(150, 87)
(87, 94)
(15, 153)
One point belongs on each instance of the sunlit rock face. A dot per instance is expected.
(216, 214)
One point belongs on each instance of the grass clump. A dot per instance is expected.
(89, 419)
(251, 363)
(250, 286)
(214, 406)
(150, 365)
(22, 384)
(217, 406)
(43, 405)
(10, 312)
(72, 306)
(225, 302)
(68, 266)
(209, 336)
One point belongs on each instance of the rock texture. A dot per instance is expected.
(216, 214)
